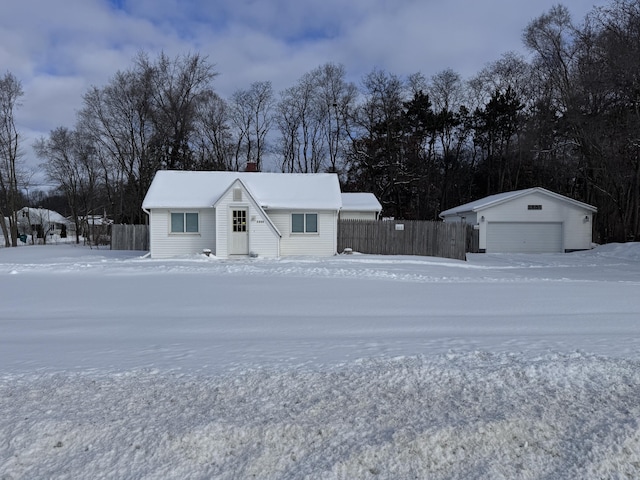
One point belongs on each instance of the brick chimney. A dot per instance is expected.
(251, 167)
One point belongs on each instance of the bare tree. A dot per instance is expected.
(213, 140)
(10, 174)
(252, 117)
(449, 96)
(606, 115)
(177, 89)
(552, 37)
(70, 162)
(499, 94)
(590, 74)
(288, 122)
(336, 98)
(314, 121)
(118, 120)
(301, 127)
(146, 119)
(511, 71)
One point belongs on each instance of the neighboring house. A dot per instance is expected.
(243, 213)
(360, 206)
(534, 220)
(37, 222)
(95, 229)
(97, 220)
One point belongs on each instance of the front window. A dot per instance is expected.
(184, 222)
(304, 223)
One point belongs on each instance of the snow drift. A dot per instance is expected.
(506, 366)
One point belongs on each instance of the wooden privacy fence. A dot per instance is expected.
(408, 237)
(389, 237)
(130, 237)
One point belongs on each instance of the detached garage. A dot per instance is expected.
(534, 220)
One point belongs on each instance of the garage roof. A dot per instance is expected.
(499, 198)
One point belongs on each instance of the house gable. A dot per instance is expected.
(264, 236)
(239, 187)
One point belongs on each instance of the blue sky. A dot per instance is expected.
(59, 49)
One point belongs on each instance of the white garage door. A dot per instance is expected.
(521, 237)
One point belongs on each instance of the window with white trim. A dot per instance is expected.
(184, 222)
(304, 223)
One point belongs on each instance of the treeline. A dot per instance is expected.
(568, 120)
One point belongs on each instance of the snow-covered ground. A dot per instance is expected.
(504, 366)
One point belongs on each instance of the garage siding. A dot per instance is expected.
(524, 237)
(575, 230)
(531, 220)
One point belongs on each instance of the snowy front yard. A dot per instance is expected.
(505, 366)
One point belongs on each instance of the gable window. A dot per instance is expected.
(304, 223)
(534, 207)
(184, 222)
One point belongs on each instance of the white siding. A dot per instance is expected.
(263, 240)
(164, 244)
(576, 221)
(324, 243)
(353, 215)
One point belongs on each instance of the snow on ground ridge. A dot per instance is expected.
(475, 415)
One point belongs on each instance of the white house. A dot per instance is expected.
(534, 220)
(360, 206)
(41, 221)
(235, 214)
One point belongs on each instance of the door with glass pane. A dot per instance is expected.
(239, 232)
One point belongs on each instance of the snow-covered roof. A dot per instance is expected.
(40, 215)
(97, 220)
(498, 198)
(360, 202)
(186, 189)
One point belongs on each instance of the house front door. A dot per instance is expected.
(239, 232)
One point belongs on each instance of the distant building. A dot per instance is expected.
(38, 222)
